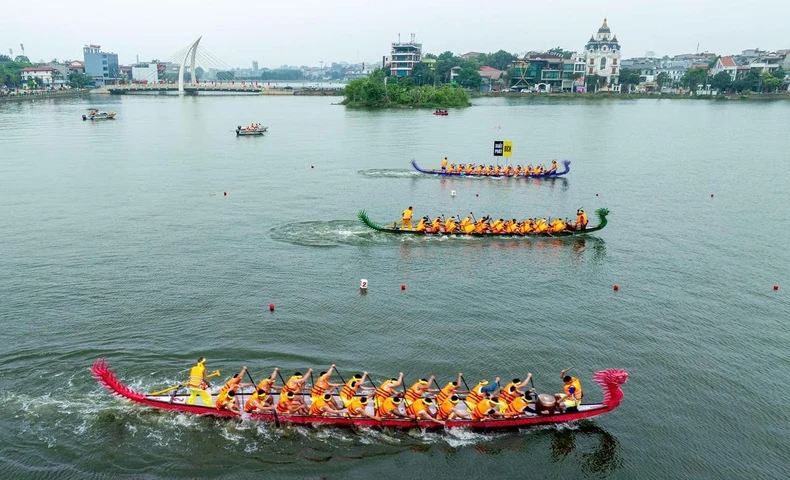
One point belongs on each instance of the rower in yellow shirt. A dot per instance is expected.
(407, 215)
(487, 170)
(526, 227)
(467, 226)
(541, 226)
(459, 168)
(528, 170)
(557, 226)
(481, 226)
(497, 170)
(581, 220)
(421, 225)
(498, 226)
(444, 164)
(517, 171)
(479, 170)
(511, 226)
(449, 225)
(469, 169)
(436, 225)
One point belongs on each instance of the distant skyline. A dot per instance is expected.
(311, 31)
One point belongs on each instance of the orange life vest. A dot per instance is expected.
(421, 405)
(318, 403)
(517, 406)
(350, 389)
(446, 408)
(446, 392)
(320, 387)
(483, 409)
(577, 394)
(388, 406)
(509, 392)
(291, 386)
(250, 405)
(475, 395)
(356, 407)
(413, 393)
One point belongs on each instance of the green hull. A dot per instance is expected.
(601, 213)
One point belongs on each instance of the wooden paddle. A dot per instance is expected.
(176, 387)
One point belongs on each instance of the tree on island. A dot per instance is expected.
(381, 91)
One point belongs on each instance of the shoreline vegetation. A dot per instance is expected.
(44, 95)
(631, 96)
(380, 91)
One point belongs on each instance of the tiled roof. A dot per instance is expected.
(37, 69)
(727, 62)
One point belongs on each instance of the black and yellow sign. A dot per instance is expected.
(503, 148)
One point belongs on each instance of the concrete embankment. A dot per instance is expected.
(45, 96)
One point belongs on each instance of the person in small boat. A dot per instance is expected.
(418, 389)
(296, 385)
(229, 401)
(323, 385)
(444, 164)
(352, 386)
(289, 405)
(198, 384)
(448, 409)
(420, 410)
(391, 407)
(450, 389)
(407, 214)
(323, 405)
(553, 168)
(572, 391)
(259, 402)
(581, 220)
(513, 389)
(449, 225)
(557, 226)
(358, 407)
(386, 389)
(518, 406)
(540, 226)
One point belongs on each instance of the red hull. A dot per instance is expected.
(608, 379)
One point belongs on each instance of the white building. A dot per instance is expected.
(602, 55)
(45, 74)
(145, 72)
(725, 64)
(404, 56)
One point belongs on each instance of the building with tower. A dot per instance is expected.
(602, 58)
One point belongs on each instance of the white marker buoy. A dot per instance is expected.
(363, 284)
(452, 193)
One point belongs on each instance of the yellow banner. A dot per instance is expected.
(507, 149)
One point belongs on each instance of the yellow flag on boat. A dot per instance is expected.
(507, 148)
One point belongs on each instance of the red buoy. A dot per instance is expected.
(711, 195)
(776, 287)
(312, 166)
(616, 287)
(403, 286)
(477, 194)
(224, 194)
(596, 194)
(271, 307)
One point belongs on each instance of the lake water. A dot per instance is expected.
(117, 241)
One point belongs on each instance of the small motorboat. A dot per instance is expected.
(441, 113)
(253, 129)
(95, 114)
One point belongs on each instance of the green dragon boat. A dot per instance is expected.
(601, 213)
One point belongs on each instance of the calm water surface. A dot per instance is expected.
(116, 240)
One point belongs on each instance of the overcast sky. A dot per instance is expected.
(304, 32)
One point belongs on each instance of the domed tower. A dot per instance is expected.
(603, 57)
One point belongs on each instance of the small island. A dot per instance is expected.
(381, 91)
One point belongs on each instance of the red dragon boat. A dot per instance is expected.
(609, 380)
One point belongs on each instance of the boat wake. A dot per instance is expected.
(390, 173)
(333, 233)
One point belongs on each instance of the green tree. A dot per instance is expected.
(694, 77)
(629, 77)
(4, 58)
(721, 81)
(594, 82)
(469, 78)
(500, 60)
(371, 92)
(23, 61)
(770, 82)
(749, 82)
(79, 80)
(423, 74)
(662, 79)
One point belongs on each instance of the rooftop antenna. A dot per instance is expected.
(399, 38)
(697, 47)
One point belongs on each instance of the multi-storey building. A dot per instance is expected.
(102, 66)
(602, 54)
(404, 56)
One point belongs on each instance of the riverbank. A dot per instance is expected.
(630, 96)
(45, 95)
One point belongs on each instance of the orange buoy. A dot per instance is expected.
(776, 287)
(271, 307)
(616, 287)
(403, 286)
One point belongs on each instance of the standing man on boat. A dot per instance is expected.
(444, 164)
(581, 220)
(198, 384)
(407, 214)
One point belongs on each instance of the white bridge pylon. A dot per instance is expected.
(191, 52)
